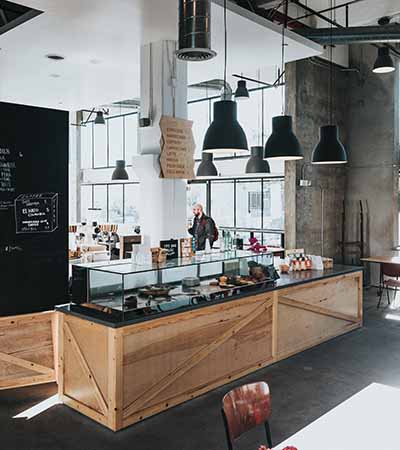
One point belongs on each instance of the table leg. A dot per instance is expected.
(380, 280)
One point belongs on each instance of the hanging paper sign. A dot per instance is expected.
(36, 213)
(177, 148)
(8, 176)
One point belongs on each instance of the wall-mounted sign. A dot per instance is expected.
(8, 176)
(177, 148)
(172, 248)
(36, 213)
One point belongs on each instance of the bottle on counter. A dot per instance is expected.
(303, 263)
(308, 263)
(222, 246)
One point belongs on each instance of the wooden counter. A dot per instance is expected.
(119, 376)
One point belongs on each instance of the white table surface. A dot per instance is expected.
(370, 420)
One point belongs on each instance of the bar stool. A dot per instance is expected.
(244, 408)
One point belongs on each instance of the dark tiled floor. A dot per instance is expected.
(303, 388)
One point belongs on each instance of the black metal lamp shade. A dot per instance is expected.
(120, 172)
(384, 62)
(99, 120)
(329, 149)
(283, 143)
(256, 162)
(207, 167)
(241, 92)
(225, 135)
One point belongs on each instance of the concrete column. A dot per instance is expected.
(163, 92)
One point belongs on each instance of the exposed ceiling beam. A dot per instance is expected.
(353, 35)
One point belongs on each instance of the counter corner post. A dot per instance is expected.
(115, 379)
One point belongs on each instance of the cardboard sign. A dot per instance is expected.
(177, 148)
(8, 176)
(172, 248)
(36, 213)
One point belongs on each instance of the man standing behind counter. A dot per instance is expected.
(203, 228)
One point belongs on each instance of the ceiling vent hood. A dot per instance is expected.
(195, 30)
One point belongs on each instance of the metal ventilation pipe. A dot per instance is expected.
(195, 30)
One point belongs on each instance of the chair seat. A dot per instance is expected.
(392, 283)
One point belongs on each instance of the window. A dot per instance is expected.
(116, 203)
(86, 202)
(222, 203)
(196, 193)
(99, 207)
(199, 113)
(131, 198)
(115, 140)
(248, 204)
(130, 134)
(274, 205)
(86, 146)
(100, 156)
(250, 117)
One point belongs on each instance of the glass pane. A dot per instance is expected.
(86, 202)
(116, 201)
(196, 193)
(199, 113)
(99, 212)
(115, 139)
(132, 193)
(273, 240)
(272, 108)
(222, 203)
(86, 146)
(130, 137)
(250, 117)
(274, 205)
(100, 145)
(248, 204)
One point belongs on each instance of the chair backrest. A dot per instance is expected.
(391, 270)
(246, 407)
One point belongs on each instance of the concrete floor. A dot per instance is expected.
(303, 388)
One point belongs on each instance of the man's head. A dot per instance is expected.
(198, 210)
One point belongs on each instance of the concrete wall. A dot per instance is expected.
(313, 217)
(372, 172)
(366, 110)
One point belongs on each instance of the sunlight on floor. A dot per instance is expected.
(39, 408)
(392, 317)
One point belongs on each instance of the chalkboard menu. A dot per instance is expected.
(36, 213)
(8, 176)
(172, 247)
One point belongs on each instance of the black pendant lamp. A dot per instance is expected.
(120, 172)
(225, 135)
(99, 120)
(283, 143)
(256, 162)
(241, 92)
(329, 149)
(384, 62)
(206, 167)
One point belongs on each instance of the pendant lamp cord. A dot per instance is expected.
(225, 47)
(331, 70)
(284, 25)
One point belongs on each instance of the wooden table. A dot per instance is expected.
(388, 259)
(367, 421)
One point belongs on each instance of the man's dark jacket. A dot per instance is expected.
(203, 228)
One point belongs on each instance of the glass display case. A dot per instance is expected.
(120, 291)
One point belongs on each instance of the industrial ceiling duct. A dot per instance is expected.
(195, 30)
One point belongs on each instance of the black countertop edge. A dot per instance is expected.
(287, 280)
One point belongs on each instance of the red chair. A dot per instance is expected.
(392, 271)
(244, 408)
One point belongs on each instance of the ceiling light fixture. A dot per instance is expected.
(329, 149)
(120, 172)
(99, 120)
(225, 135)
(283, 143)
(55, 57)
(195, 30)
(242, 92)
(384, 62)
(206, 167)
(256, 162)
